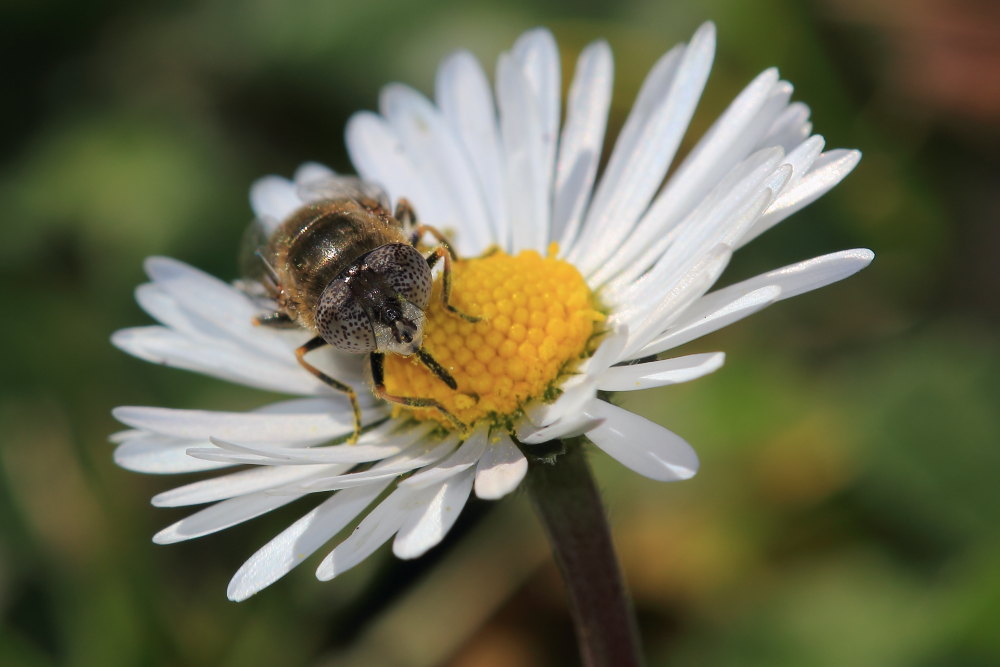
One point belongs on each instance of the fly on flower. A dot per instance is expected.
(581, 283)
(347, 270)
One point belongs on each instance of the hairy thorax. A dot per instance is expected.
(318, 243)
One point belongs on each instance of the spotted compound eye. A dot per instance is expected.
(341, 320)
(405, 270)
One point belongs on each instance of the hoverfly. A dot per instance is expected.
(344, 268)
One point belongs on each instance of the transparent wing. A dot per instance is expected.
(343, 187)
(253, 260)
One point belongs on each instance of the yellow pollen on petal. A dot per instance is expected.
(537, 315)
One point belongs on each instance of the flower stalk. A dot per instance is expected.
(567, 501)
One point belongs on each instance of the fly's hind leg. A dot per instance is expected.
(443, 251)
(405, 213)
(378, 386)
(277, 319)
(318, 342)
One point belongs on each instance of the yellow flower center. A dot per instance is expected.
(536, 316)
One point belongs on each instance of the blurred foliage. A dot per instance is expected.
(847, 507)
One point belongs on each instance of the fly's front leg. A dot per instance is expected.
(377, 360)
(318, 342)
(443, 251)
(434, 367)
(441, 372)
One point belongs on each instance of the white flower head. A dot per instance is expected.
(625, 260)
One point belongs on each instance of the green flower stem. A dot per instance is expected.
(567, 501)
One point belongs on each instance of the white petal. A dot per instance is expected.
(426, 527)
(158, 455)
(381, 442)
(240, 483)
(701, 318)
(649, 322)
(318, 421)
(373, 531)
(725, 213)
(538, 59)
(568, 425)
(440, 160)
(311, 172)
(273, 199)
(164, 309)
(725, 306)
(575, 394)
(801, 158)
(660, 373)
(461, 459)
(828, 170)
(582, 140)
(641, 445)
(802, 277)
(218, 317)
(418, 456)
(218, 359)
(207, 319)
(220, 516)
(300, 540)
(380, 157)
(463, 93)
(789, 129)
(188, 283)
(608, 352)
(527, 90)
(500, 469)
(226, 309)
(645, 148)
(518, 119)
(728, 141)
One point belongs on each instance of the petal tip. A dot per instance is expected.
(326, 570)
(684, 473)
(405, 550)
(240, 588)
(167, 536)
(707, 32)
(865, 255)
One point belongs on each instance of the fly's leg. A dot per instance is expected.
(408, 217)
(313, 344)
(405, 213)
(443, 251)
(269, 280)
(378, 381)
(434, 367)
(277, 319)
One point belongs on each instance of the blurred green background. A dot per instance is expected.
(847, 507)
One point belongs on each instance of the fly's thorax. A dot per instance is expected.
(321, 241)
(378, 303)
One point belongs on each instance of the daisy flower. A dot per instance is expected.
(583, 281)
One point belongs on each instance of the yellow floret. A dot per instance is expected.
(537, 316)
